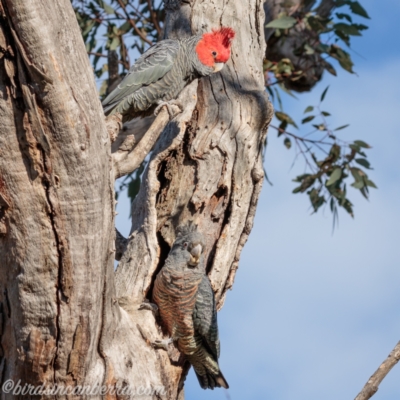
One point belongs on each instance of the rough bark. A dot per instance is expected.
(56, 176)
(66, 317)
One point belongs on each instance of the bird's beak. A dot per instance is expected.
(218, 66)
(195, 254)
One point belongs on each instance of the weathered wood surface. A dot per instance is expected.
(67, 318)
(55, 172)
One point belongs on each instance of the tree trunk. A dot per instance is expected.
(66, 318)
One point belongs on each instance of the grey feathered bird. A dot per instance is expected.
(161, 73)
(186, 304)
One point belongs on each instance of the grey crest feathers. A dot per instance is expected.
(187, 228)
(189, 232)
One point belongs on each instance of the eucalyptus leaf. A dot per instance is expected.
(330, 69)
(324, 94)
(347, 29)
(115, 43)
(358, 184)
(358, 9)
(358, 175)
(335, 176)
(342, 127)
(109, 10)
(308, 109)
(344, 16)
(285, 117)
(362, 144)
(283, 22)
(362, 161)
(307, 119)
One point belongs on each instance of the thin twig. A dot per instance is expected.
(137, 12)
(154, 17)
(92, 53)
(371, 387)
(299, 137)
(132, 23)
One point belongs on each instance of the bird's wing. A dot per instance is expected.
(149, 68)
(205, 317)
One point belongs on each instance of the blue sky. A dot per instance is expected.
(311, 314)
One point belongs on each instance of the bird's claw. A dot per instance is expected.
(162, 344)
(174, 108)
(149, 306)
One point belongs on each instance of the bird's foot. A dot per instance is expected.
(174, 107)
(162, 344)
(146, 305)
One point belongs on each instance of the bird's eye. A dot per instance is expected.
(214, 53)
(185, 244)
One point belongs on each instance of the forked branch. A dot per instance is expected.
(131, 154)
(128, 155)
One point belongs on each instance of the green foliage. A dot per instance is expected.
(120, 25)
(328, 171)
(322, 37)
(330, 162)
(283, 22)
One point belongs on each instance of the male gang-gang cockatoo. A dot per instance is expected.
(162, 72)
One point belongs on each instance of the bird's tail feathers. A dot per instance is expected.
(220, 379)
(210, 380)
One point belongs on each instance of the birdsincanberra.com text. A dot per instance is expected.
(24, 389)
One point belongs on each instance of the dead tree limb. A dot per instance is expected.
(371, 387)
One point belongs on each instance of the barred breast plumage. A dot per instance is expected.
(186, 303)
